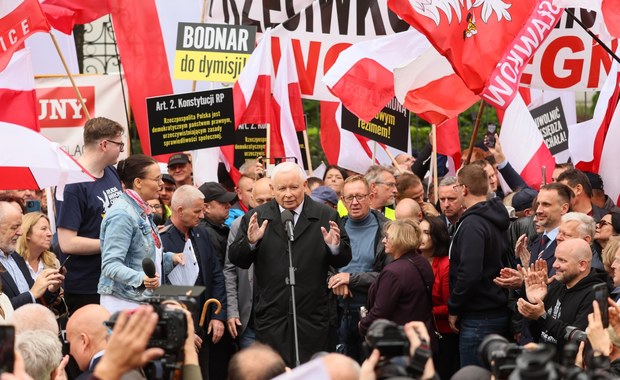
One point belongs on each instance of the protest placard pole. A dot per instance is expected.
(374, 152)
(391, 156)
(434, 160)
(202, 21)
(75, 88)
(474, 133)
(268, 146)
(594, 36)
(307, 149)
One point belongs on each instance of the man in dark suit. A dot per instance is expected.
(320, 241)
(17, 283)
(183, 227)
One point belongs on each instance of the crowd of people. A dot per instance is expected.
(482, 254)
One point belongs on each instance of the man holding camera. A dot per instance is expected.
(567, 301)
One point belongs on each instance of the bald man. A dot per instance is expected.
(34, 317)
(567, 301)
(341, 367)
(86, 335)
(408, 208)
(257, 362)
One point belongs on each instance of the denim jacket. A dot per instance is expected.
(126, 239)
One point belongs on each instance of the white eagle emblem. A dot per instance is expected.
(432, 9)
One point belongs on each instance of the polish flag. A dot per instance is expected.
(252, 90)
(17, 94)
(611, 14)
(523, 144)
(288, 113)
(449, 141)
(344, 148)
(429, 87)
(487, 42)
(63, 15)
(18, 20)
(363, 75)
(608, 168)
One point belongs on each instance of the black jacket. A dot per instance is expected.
(210, 275)
(9, 287)
(567, 307)
(218, 233)
(476, 259)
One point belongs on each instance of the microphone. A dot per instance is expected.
(287, 219)
(148, 266)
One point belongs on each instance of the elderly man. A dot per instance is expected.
(565, 302)
(17, 283)
(383, 189)
(184, 228)
(42, 353)
(87, 337)
(180, 168)
(451, 208)
(319, 241)
(365, 229)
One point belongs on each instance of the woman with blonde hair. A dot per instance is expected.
(35, 242)
(403, 290)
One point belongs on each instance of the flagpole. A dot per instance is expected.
(434, 161)
(391, 156)
(474, 133)
(202, 21)
(307, 149)
(374, 152)
(75, 88)
(594, 36)
(268, 146)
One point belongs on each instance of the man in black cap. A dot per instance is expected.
(165, 193)
(180, 168)
(217, 206)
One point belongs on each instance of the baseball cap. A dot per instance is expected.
(167, 178)
(324, 194)
(178, 158)
(595, 180)
(215, 191)
(523, 199)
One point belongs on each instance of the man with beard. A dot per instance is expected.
(567, 301)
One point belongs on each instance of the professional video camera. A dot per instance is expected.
(170, 332)
(393, 345)
(507, 360)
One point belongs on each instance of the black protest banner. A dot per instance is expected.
(552, 124)
(250, 141)
(190, 121)
(389, 127)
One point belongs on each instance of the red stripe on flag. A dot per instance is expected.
(255, 111)
(143, 55)
(330, 133)
(18, 107)
(20, 178)
(531, 173)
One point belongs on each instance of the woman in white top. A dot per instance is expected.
(35, 242)
(6, 309)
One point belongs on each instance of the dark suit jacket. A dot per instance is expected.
(548, 253)
(210, 275)
(9, 286)
(311, 258)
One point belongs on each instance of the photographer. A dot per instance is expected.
(605, 342)
(417, 334)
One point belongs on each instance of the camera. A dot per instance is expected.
(393, 345)
(499, 355)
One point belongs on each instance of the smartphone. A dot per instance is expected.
(601, 295)
(7, 348)
(62, 266)
(32, 206)
(490, 137)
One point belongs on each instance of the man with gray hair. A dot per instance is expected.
(320, 241)
(577, 225)
(42, 353)
(34, 317)
(182, 230)
(382, 189)
(451, 209)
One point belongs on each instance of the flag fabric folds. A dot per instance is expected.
(17, 93)
(63, 15)
(488, 42)
(18, 20)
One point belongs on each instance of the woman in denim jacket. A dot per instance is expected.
(128, 235)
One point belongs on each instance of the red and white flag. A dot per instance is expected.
(17, 93)
(63, 15)
(608, 168)
(363, 75)
(18, 20)
(288, 114)
(429, 87)
(523, 144)
(611, 15)
(449, 142)
(252, 90)
(488, 42)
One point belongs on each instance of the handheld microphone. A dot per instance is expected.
(287, 219)
(148, 266)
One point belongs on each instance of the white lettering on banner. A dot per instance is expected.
(58, 109)
(569, 59)
(505, 79)
(8, 38)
